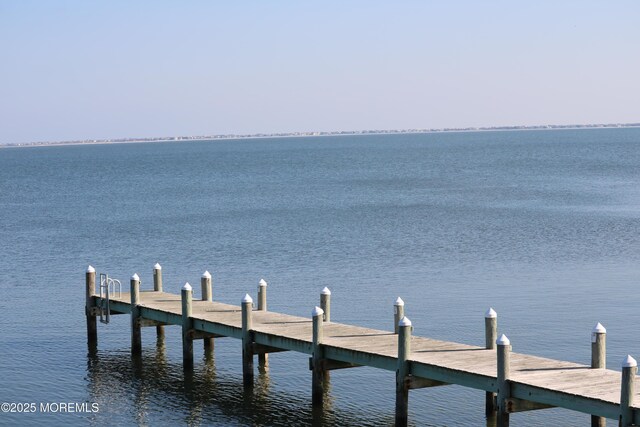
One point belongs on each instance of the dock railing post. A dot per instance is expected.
(398, 313)
(262, 295)
(599, 347)
(490, 329)
(598, 361)
(402, 373)
(157, 277)
(136, 333)
(247, 341)
(325, 304)
(186, 295)
(207, 289)
(92, 324)
(207, 295)
(503, 373)
(627, 390)
(263, 358)
(317, 381)
(157, 287)
(491, 335)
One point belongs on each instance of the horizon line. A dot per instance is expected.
(319, 133)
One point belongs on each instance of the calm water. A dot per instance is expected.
(543, 226)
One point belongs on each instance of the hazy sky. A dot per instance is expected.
(83, 69)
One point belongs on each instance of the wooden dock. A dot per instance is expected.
(513, 382)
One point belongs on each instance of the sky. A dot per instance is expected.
(75, 70)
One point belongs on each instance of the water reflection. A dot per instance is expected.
(152, 388)
(323, 415)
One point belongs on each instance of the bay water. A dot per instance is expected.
(543, 226)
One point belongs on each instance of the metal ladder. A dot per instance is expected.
(108, 286)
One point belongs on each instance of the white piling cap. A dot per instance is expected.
(599, 329)
(90, 269)
(325, 291)
(503, 340)
(490, 314)
(187, 287)
(262, 282)
(247, 299)
(404, 321)
(317, 312)
(135, 277)
(399, 302)
(629, 362)
(206, 275)
(157, 267)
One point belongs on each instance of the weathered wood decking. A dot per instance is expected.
(534, 382)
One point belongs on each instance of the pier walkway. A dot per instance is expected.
(513, 382)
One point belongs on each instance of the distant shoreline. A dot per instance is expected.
(315, 134)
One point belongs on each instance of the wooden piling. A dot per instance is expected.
(503, 372)
(262, 295)
(187, 342)
(491, 335)
(325, 304)
(136, 333)
(206, 285)
(398, 313)
(207, 295)
(157, 287)
(263, 358)
(247, 341)
(627, 390)
(599, 347)
(92, 322)
(402, 373)
(157, 277)
(598, 361)
(490, 329)
(317, 382)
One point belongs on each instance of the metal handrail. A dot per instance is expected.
(108, 286)
(115, 287)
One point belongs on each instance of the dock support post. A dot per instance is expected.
(599, 347)
(317, 381)
(402, 386)
(207, 295)
(157, 278)
(262, 295)
(398, 313)
(205, 284)
(187, 342)
(157, 287)
(491, 335)
(92, 324)
(325, 304)
(263, 358)
(627, 390)
(598, 361)
(136, 333)
(247, 351)
(504, 389)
